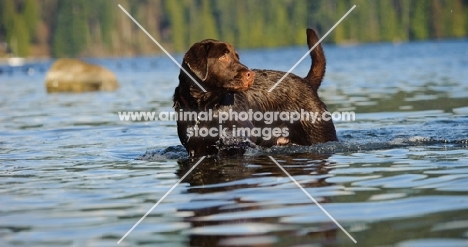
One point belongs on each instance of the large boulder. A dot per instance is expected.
(73, 75)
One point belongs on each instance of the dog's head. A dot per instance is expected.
(216, 64)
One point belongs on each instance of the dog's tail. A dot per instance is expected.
(317, 70)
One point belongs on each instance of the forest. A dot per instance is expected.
(98, 28)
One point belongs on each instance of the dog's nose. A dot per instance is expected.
(249, 77)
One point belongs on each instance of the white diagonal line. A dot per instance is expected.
(160, 200)
(311, 198)
(162, 48)
(309, 51)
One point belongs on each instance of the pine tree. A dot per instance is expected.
(258, 34)
(72, 32)
(403, 11)
(298, 17)
(388, 21)
(242, 24)
(419, 21)
(106, 19)
(374, 24)
(7, 12)
(226, 19)
(436, 19)
(31, 15)
(209, 29)
(457, 19)
(339, 34)
(175, 14)
(20, 38)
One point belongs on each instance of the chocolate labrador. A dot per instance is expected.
(230, 108)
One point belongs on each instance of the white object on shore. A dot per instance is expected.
(15, 61)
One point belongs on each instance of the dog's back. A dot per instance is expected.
(293, 94)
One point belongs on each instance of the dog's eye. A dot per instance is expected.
(224, 57)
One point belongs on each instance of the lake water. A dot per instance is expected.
(72, 174)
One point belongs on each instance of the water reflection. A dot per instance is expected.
(238, 187)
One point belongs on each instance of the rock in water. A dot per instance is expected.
(73, 75)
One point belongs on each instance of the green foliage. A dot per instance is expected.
(388, 20)
(419, 21)
(209, 24)
(177, 21)
(98, 27)
(30, 15)
(18, 23)
(106, 19)
(298, 13)
(71, 32)
(339, 34)
(457, 19)
(7, 10)
(19, 40)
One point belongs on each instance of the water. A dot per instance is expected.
(72, 174)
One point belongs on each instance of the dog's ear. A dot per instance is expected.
(197, 59)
